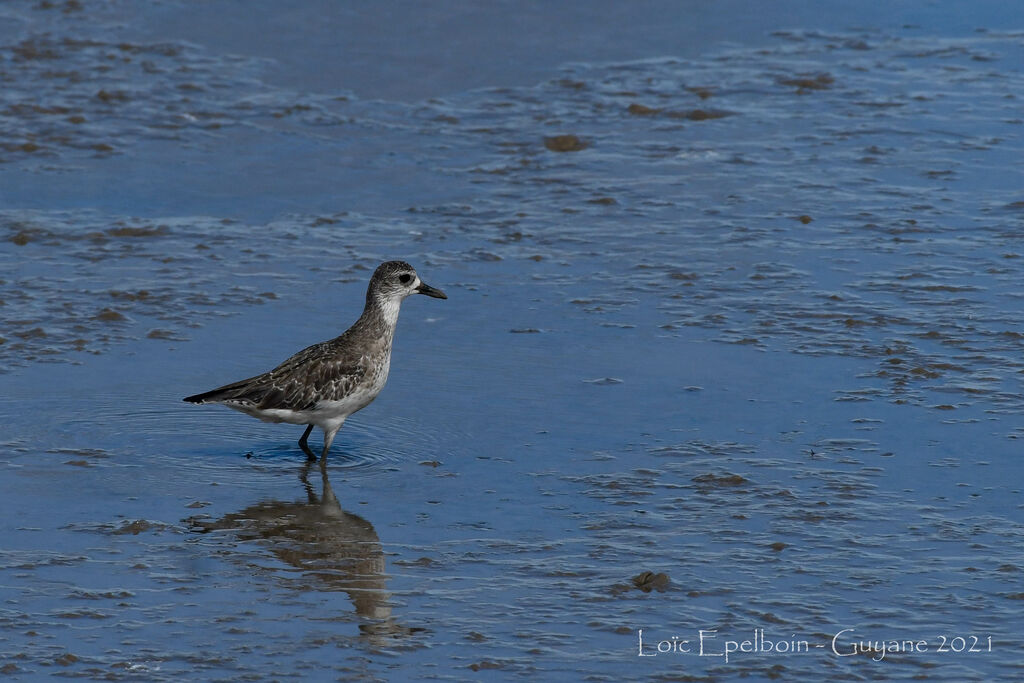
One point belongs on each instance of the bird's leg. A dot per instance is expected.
(310, 455)
(328, 439)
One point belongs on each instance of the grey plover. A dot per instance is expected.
(322, 385)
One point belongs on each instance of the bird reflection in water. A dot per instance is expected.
(340, 549)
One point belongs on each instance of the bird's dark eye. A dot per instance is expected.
(405, 278)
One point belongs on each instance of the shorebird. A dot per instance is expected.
(322, 385)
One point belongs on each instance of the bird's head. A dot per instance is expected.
(395, 280)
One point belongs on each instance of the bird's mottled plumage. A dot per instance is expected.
(325, 383)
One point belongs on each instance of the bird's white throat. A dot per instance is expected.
(389, 308)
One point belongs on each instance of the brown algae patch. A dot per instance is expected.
(645, 582)
(637, 109)
(726, 481)
(109, 315)
(699, 114)
(138, 231)
(651, 581)
(642, 110)
(565, 143)
(808, 82)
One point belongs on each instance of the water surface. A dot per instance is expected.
(743, 315)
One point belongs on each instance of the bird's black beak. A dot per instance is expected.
(424, 288)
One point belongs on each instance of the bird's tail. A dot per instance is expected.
(202, 398)
(234, 390)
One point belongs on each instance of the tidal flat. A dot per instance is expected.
(733, 344)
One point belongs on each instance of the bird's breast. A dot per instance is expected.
(379, 373)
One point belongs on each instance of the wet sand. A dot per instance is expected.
(733, 341)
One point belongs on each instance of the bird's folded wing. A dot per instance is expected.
(316, 373)
(300, 387)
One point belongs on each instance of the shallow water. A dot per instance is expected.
(754, 326)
